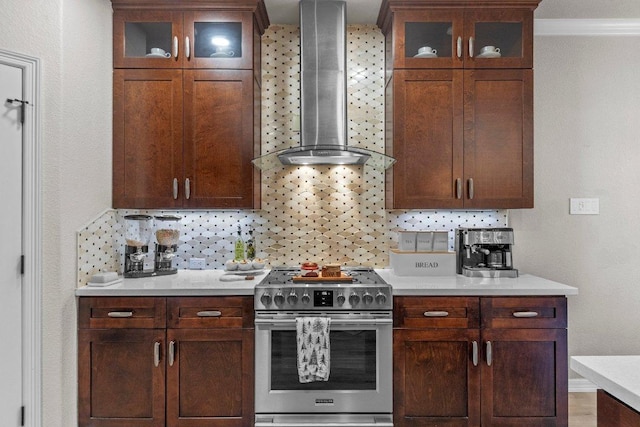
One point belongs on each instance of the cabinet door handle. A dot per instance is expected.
(175, 188)
(475, 353)
(525, 314)
(471, 42)
(471, 189)
(187, 48)
(489, 354)
(120, 314)
(209, 313)
(436, 313)
(175, 46)
(156, 353)
(458, 188)
(172, 352)
(187, 188)
(459, 47)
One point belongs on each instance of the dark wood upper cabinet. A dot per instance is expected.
(187, 119)
(458, 121)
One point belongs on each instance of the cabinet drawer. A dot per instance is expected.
(524, 312)
(210, 312)
(436, 312)
(121, 312)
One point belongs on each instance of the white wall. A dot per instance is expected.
(587, 108)
(73, 40)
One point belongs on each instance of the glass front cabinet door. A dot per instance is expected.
(192, 39)
(463, 38)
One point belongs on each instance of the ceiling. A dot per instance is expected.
(358, 11)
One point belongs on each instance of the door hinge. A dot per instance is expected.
(22, 416)
(21, 264)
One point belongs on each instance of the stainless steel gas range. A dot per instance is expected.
(352, 386)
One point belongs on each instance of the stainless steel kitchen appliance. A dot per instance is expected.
(137, 235)
(359, 389)
(167, 237)
(484, 252)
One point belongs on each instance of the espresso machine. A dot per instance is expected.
(167, 237)
(137, 235)
(484, 252)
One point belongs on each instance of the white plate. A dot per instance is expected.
(489, 55)
(157, 55)
(426, 55)
(247, 272)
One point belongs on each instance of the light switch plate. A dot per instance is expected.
(197, 263)
(581, 206)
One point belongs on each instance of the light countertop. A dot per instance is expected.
(617, 375)
(210, 282)
(458, 285)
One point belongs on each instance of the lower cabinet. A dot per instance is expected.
(176, 362)
(490, 361)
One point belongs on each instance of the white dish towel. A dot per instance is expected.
(313, 348)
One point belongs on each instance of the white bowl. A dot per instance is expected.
(244, 266)
(231, 265)
(258, 264)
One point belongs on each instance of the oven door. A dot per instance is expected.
(360, 378)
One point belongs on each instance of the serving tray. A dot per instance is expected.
(343, 278)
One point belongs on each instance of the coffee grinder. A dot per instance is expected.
(167, 237)
(485, 252)
(137, 235)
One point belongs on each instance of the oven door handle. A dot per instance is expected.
(349, 322)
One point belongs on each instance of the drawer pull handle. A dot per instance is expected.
(436, 313)
(471, 43)
(172, 352)
(187, 48)
(459, 47)
(475, 353)
(210, 313)
(489, 354)
(175, 47)
(175, 188)
(156, 353)
(525, 314)
(458, 188)
(120, 314)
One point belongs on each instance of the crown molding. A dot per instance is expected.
(586, 27)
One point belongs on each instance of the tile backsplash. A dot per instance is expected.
(320, 213)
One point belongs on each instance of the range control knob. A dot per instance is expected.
(354, 299)
(306, 299)
(381, 298)
(292, 298)
(265, 298)
(367, 298)
(340, 298)
(279, 298)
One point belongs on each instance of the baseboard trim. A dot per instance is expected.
(581, 385)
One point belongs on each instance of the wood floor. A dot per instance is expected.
(582, 410)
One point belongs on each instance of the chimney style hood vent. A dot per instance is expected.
(323, 93)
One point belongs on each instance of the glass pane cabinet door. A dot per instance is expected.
(427, 39)
(500, 39)
(219, 40)
(147, 39)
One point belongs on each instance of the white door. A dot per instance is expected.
(10, 245)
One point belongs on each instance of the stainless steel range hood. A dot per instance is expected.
(323, 93)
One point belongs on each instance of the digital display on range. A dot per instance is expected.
(323, 298)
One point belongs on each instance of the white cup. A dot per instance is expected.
(426, 50)
(490, 49)
(158, 51)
